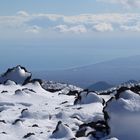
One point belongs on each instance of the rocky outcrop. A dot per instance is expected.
(17, 74)
(86, 97)
(62, 131)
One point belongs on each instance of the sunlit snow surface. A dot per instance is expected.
(30, 112)
(125, 116)
(43, 108)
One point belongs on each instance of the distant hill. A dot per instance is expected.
(100, 86)
(114, 71)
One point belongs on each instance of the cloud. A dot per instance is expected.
(52, 17)
(22, 22)
(16, 21)
(22, 13)
(125, 3)
(11, 22)
(71, 29)
(103, 27)
(78, 29)
(34, 29)
(135, 28)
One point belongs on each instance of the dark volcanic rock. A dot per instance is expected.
(98, 129)
(28, 135)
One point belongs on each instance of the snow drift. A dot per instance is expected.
(29, 110)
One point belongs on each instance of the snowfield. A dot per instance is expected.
(28, 110)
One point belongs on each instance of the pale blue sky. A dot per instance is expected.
(57, 34)
(54, 6)
(69, 7)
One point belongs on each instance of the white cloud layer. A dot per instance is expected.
(84, 23)
(135, 28)
(72, 29)
(22, 13)
(103, 27)
(34, 29)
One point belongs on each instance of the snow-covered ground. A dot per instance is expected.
(28, 111)
(61, 87)
(31, 109)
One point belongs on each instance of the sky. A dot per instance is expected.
(52, 34)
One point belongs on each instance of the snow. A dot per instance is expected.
(17, 74)
(62, 131)
(88, 97)
(124, 116)
(28, 111)
(9, 82)
(60, 87)
(42, 108)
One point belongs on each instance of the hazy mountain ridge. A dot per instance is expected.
(114, 71)
(102, 85)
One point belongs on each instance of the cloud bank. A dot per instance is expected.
(26, 23)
